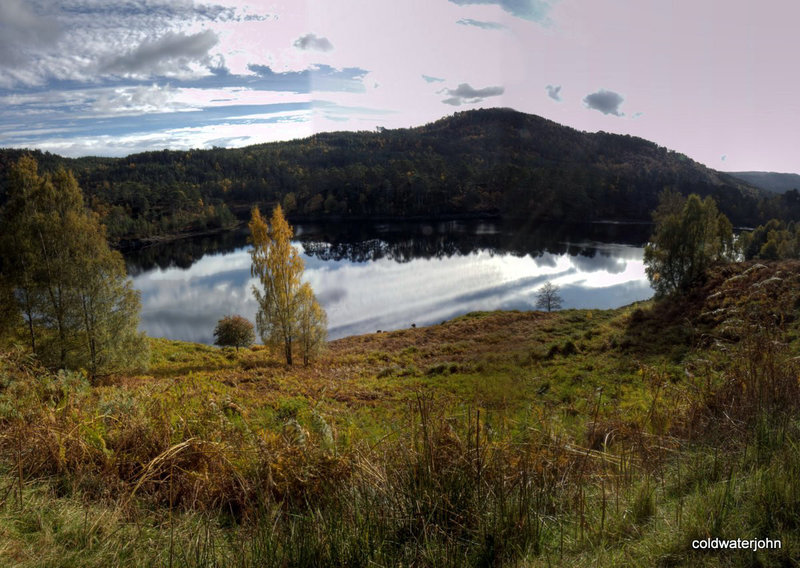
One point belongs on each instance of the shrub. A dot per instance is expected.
(234, 331)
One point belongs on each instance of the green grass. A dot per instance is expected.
(577, 438)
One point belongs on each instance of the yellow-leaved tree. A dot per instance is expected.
(288, 315)
(313, 323)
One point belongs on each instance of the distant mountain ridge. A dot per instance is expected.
(479, 162)
(771, 181)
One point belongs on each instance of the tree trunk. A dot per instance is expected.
(288, 345)
(29, 315)
(63, 340)
(33, 335)
(90, 336)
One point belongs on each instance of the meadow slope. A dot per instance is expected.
(579, 437)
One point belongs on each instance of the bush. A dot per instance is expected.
(234, 331)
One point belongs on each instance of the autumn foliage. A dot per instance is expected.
(288, 315)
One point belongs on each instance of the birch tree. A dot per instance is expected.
(79, 307)
(690, 236)
(312, 324)
(279, 269)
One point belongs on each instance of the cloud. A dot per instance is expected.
(267, 72)
(228, 141)
(347, 79)
(75, 40)
(554, 92)
(55, 108)
(22, 30)
(314, 43)
(464, 93)
(606, 102)
(135, 100)
(429, 79)
(120, 135)
(170, 52)
(534, 10)
(480, 24)
(341, 113)
(113, 12)
(318, 77)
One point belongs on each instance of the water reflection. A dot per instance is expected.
(389, 276)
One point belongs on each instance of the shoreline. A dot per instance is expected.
(144, 242)
(130, 244)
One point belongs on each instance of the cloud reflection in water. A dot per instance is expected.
(362, 297)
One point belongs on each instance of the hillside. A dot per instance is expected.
(575, 438)
(482, 162)
(770, 181)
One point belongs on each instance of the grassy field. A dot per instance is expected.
(574, 438)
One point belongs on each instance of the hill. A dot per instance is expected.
(770, 181)
(481, 162)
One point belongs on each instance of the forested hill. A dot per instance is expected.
(771, 181)
(496, 161)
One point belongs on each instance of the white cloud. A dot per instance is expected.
(481, 24)
(288, 126)
(465, 93)
(164, 55)
(23, 30)
(607, 102)
(554, 92)
(314, 43)
(534, 10)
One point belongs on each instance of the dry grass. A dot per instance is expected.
(486, 440)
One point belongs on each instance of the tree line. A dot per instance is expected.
(691, 235)
(774, 240)
(486, 162)
(62, 284)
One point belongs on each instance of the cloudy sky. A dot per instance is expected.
(716, 80)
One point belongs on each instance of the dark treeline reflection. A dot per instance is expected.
(182, 253)
(405, 241)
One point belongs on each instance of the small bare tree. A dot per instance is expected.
(547, 298)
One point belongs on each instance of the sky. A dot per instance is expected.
(716, 80)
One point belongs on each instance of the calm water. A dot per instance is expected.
(388, 276)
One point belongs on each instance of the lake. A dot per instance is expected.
(371, 276)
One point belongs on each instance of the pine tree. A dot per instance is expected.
(279, 268)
